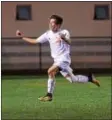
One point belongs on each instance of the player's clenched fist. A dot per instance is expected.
(18, 33)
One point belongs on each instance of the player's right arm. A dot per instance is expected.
(41, 39)
(65, 35)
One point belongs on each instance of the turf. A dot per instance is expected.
(70, 101)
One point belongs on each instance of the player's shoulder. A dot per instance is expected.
(47, 32)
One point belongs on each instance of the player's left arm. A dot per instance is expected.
(66, 37)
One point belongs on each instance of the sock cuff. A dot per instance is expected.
(49, 94)
(90, 77)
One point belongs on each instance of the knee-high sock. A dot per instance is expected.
(51, 85)
(79, 78)
(75, 78)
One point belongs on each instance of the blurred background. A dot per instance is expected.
(88, 22)
(24, 66)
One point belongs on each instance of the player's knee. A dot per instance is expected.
(50, 74)
(68, 77)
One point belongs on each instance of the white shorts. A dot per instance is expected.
(64, 64)
(63, 60)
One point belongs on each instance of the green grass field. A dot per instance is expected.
(71, 101)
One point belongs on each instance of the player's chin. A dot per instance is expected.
(54, 30)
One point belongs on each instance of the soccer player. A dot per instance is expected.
(59, 40)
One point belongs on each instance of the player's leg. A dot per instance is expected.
(51, 80)
(68, 74)
(51, 83)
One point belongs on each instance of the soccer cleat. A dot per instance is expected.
(93, 80)
(41, 98)
(45, 98)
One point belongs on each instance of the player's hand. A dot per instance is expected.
(62, 36)
(18, 33)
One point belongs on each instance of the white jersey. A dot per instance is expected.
(59, 48)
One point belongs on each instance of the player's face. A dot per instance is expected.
(53, 26)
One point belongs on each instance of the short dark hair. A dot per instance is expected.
(59, 20)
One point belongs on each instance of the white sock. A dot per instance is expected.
(79, 78)
(51, 85)
(75, 78)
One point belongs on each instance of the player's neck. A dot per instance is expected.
(56, 30)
